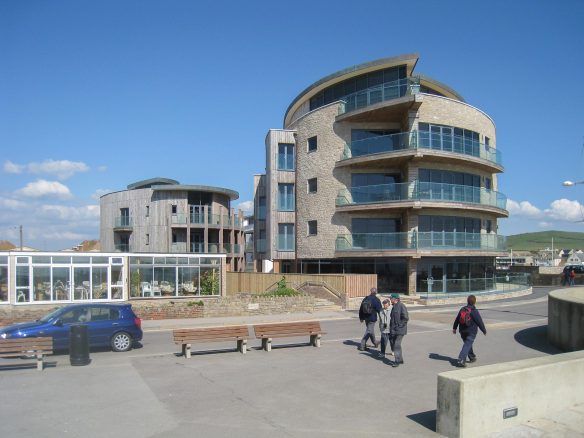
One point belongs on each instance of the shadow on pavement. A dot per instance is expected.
(437, 356)
(426, 419)
(536, 339)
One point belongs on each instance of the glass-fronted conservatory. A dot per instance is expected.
(42, 278)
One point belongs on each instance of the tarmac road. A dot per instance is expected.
(293, 391)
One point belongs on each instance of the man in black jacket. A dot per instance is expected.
(369, 317)
(468, 332)
(398, 328)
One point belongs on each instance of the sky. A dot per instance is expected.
(97, 95)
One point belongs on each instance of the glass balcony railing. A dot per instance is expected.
(261, 212)
(197, 218)
(213, 219)
(420, 191)
(227, 220)
(374, 194)
(249, 247)
(260, 245)
(178, 247)
(231, 248)
(122, 247)
(213, 248)
(380, 93)
(197, 247)
(426, 191)
(179, 219)
(421, 140)
(419, 240)
(123, 222)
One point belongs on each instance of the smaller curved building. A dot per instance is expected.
(162, 215)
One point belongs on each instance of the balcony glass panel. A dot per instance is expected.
(122, 222)
(122, 247)
(380, 93)
(261, 245)
(427, 191)
(423, 240)
(179, 219)
(197, 218)
(373, 194)
(197, 247)
(447, 140)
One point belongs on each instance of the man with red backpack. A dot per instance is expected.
(468, 321)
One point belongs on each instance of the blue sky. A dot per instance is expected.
(97, 95)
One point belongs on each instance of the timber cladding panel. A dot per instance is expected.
(353, 285)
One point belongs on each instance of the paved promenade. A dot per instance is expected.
(293, 391)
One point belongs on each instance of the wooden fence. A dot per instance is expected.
(353, 285)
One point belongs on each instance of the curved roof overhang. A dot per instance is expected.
(232, 194)
(410, 60)
(147, 183)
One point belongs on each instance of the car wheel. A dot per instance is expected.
(121, 341)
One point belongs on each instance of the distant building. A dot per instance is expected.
(162, 215)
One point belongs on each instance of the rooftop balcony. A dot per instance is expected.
(432, 240)
(421, 191)
(414, 141)
(380, 93)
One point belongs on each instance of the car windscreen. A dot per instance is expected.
(50, 316)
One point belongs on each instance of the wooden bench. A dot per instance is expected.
(186, 337)
(266, 332)
(19, 347)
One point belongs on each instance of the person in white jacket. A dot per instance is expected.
(384, 319)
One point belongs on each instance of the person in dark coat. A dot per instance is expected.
(468, 333)
(370, 318)
(398, 328)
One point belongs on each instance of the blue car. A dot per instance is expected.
(108, 325)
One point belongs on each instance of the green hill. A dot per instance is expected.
(543, 239)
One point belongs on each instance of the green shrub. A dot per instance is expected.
(195, 303)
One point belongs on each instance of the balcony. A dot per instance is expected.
(197, 218)
(123, 223)
(179, 219)
(197, 247)
(422, 140)
(180, 247)
(432, 240)
(231, 248)
(122, 247)
(380, 93)
(249, 247)
(421, 191)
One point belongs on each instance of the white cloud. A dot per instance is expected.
(99, 193)
(61, 169)
(246, 206)
(10, 167)
(42, 188)
(63, 212)
(564, 209)
(12, 204)
(102, 168)
(544, 224)
(523, 208)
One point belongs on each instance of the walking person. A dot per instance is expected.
(384, 320)
(370, 307)
(468, 321)
(398, 328)
(572, 277)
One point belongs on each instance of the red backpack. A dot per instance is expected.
(465, 317)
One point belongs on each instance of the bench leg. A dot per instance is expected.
(242, 346)
(267, 344)
(39, 358)
(186, 350)
(315, 340)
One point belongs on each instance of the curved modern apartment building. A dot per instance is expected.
(161, 215)
(382, 170)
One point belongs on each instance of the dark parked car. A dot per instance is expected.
(578, 269)
(108, 325)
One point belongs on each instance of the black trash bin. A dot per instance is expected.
(79, 345)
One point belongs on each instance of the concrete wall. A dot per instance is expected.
(471, 401)
(566, 318)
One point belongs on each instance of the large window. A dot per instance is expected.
(388, 76)
(285, 156)
(285, 237)
(286, 197)
(378, 225)
(449, 224)
(449, 138)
